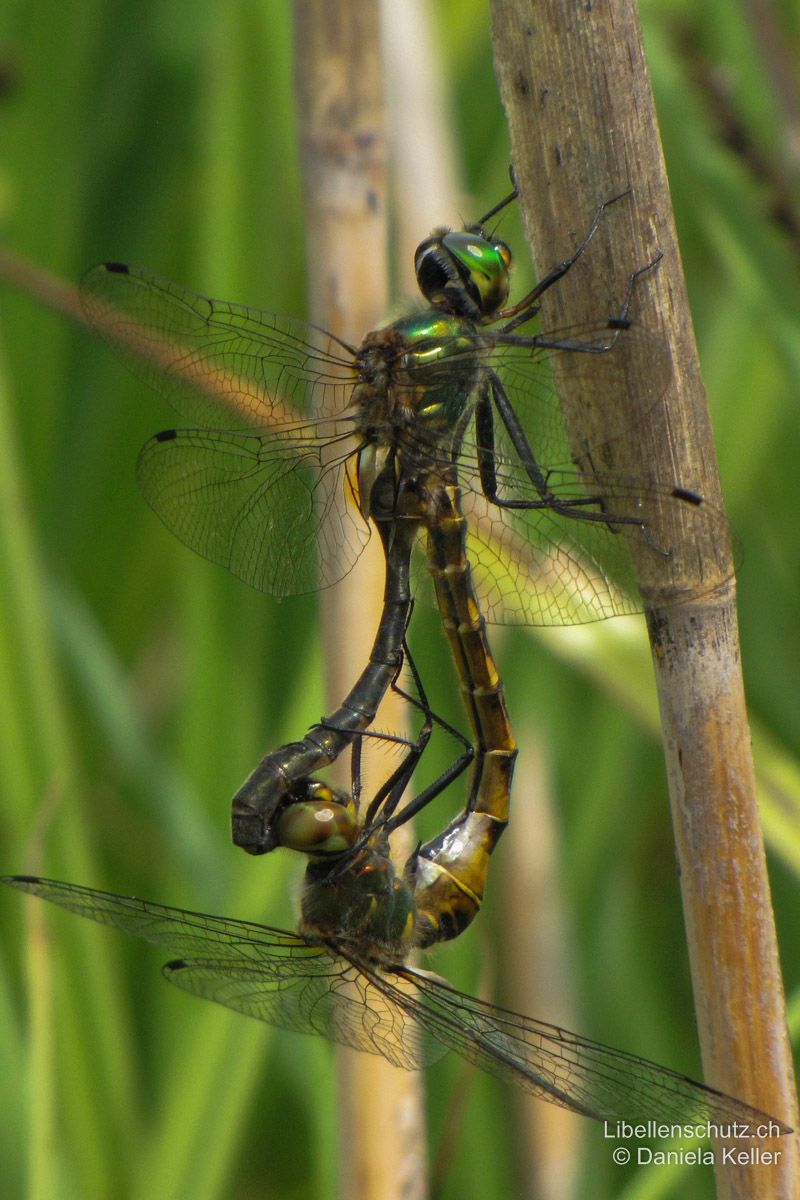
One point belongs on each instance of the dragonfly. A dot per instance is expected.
(303, 442)
(343, 976)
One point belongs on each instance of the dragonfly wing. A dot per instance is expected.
(178, 930)
(553, 565)
(559, 561)
(410, 1017)
(263, 972)
(573, 1072)
(563, 370)
(338, 999)
(538, 568)
(564, 564)
(221, 365)
(270, 503)
(273, 509)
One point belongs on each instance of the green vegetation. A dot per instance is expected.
(138, 685)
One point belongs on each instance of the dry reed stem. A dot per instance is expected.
(575, 85)
(343, 148)
(537, 962)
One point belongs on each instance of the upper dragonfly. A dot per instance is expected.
(293, 426)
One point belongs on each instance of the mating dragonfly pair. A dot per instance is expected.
(441, 426)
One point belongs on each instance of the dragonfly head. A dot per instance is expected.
(324, 823)
(466, 273)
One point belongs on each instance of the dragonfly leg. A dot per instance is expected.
(382, 815)
(393, 789)
(504, 203)
(528, 306)
(383, 807)
(614, 325)
(579, 508)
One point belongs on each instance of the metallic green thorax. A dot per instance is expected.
(419, 375)
(419, 378)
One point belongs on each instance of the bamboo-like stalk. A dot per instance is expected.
(576, 89)
(537, 961)
(421, 134)
(343, 146)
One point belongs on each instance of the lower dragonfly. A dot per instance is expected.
(344, 976)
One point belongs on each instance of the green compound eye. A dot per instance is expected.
(465, 272)
(479, 254)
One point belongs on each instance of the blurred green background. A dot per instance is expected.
(139, 685)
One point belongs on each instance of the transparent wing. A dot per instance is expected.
(177, 929)
(594, 360)
(220, 365)
(342, 1001)
(554, 1064)
(568, 557)
(563, 564)
(410, 1017)
(261, 486)
(266, 973)
(276, 509)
